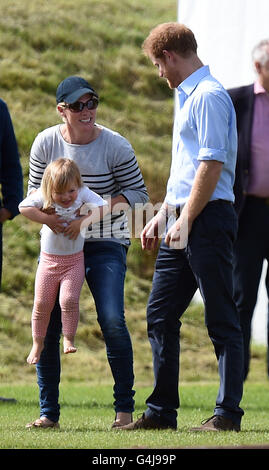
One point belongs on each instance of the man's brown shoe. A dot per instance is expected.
(218, 423)
(145, 423)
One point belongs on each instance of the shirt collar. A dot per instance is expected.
(258, 88)
(191, 82)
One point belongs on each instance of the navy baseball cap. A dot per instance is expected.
(72, 88)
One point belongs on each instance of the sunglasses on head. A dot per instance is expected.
(78, 106)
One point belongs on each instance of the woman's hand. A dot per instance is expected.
(55, 223)
(72, 230)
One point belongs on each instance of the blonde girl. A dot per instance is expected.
(57, 205)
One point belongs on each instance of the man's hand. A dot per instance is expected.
(4, 215)
(205, 181)
(177, 235)
(153, 231)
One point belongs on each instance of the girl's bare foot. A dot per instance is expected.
(69, 346)
(34, 356)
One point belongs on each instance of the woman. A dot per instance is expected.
(108, 166)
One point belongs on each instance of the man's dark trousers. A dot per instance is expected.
(206, 263)
(251, 249)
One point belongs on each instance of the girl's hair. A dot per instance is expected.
(57, 176)
(171, 37)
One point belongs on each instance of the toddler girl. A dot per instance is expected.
(61, 266)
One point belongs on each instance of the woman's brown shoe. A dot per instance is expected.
(122, 419)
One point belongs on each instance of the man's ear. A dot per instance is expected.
(166, 54)
(169, 55)
(257, 67)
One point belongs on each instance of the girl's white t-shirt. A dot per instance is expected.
(58, 244)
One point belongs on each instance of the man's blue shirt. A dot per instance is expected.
(204, 129)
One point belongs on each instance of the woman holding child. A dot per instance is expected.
(108, 166)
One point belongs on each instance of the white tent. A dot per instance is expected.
(226, 32)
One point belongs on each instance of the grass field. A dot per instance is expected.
(86, 418)
(40, 44)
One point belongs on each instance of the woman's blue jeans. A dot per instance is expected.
(105, 268)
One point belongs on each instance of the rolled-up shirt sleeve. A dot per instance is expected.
(212, 120)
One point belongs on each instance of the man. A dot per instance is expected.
(252, 191)
(201, 188)
(10, 177)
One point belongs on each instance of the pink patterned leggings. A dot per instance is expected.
(54, 272)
